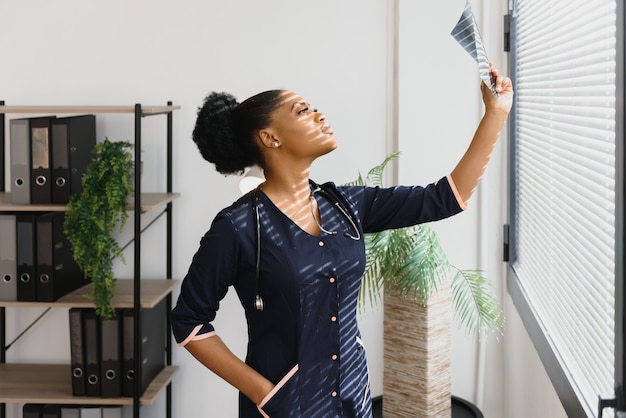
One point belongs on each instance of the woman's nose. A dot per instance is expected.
(319, 116)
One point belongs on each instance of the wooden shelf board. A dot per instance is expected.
(51, 383)
(149, 202)
(146, 110)
(152, 292)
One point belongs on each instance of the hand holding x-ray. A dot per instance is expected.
(467, 34)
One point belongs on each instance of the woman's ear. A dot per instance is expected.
(267, 138)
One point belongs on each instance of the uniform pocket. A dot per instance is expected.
(283, 400)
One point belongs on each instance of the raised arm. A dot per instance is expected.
(471, 167)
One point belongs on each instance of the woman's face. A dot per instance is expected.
(301, 129)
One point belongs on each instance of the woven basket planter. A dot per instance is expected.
(417, 378)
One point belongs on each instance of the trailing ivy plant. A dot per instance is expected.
(411, 262)
(94, 214)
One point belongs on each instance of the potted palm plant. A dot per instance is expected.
(419, 285)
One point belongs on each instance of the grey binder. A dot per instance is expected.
(8, 273)
(19, 138)
(70, 412)
(111, 412)
(90, 412)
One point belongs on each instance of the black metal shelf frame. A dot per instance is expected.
(139, 115)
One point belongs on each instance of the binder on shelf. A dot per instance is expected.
(2, 148)
(111, 412)
(92, 352)
(25, 256)
(43, 256)
(8, 274)
(128, 352)
(77, 353)
(70, 412)
(65, 275)
(73, 139)
(90, 412)
(40, 189)
(19, 139)
(153, 344)
(31, 410)
(110, 361)
(50, 411)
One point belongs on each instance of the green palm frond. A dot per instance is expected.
(412, 262)
(475, 305)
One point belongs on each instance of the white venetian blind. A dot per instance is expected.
(564, 216)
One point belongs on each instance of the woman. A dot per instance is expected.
(293, 250)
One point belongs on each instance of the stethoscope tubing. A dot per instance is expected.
(258, 300)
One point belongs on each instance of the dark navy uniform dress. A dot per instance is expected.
(306, 340)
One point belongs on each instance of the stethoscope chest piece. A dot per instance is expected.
(258, 303)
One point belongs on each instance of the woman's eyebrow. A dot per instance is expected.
(303, 103)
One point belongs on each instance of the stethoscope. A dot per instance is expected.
(258, 300)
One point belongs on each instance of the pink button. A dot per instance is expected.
(334, 357)
(333, 318)
(332, 280)
(334, 394)
(321, 243)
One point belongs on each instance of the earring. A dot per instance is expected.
(276, 144)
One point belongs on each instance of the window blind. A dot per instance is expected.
(564, 204)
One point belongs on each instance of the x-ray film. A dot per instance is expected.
(467, 35)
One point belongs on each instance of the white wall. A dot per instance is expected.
(337, 54)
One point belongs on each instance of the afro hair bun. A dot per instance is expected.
(215, 136)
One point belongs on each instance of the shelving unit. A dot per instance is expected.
(51, 383)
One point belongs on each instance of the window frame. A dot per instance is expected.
(565, 389)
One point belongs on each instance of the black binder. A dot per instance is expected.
(77, 353)
(51, 411)
(40, 189)
(111, 355)
(8, 275)
(92, 352)
(43, 258)
(25, 256)
(65, 275)
(31, 410)
(73, 139)
(153, 344)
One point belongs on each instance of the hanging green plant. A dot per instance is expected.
(94, 214)
(411, 262)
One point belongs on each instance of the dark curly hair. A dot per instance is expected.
(224, 130)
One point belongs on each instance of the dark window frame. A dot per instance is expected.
(565, 389)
